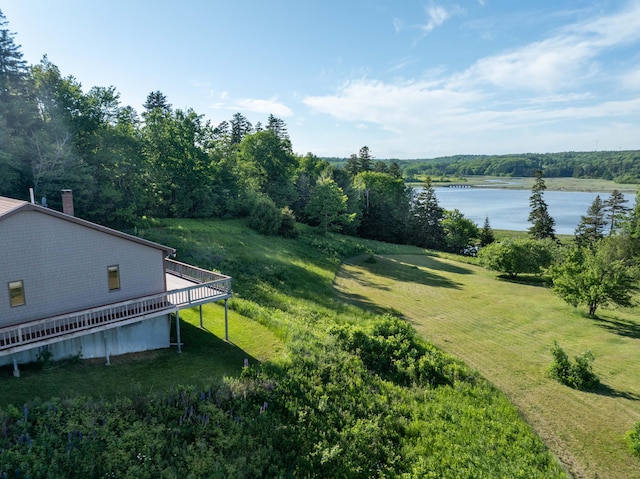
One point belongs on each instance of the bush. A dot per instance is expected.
(578, 375)
(265, 216)
(633, 438)
(517, 256)
(288, 224)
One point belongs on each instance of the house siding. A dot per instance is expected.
(63, 266)
(144, 336)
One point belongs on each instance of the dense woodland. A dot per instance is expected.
(618, 166)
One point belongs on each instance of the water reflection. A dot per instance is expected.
(509, 209)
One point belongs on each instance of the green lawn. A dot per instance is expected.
(505, 331)
(206, 359)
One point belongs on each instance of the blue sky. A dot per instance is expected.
(408, 79)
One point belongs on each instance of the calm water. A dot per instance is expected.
(509, 209)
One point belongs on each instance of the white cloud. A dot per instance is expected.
(253, 105)
(548, 88)
(437, 15)
(563, 61)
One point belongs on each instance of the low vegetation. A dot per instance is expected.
(357, 394)
(577, 374)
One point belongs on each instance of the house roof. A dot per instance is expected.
(10, 206)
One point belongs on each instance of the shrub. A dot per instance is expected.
(288, 224)
(578, 375)
(633, 438)
(265, 216)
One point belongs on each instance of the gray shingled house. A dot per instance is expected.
(74, 287)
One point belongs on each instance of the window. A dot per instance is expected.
(16, 293)
(114, 278)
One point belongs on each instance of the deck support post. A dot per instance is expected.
(107, 357)
(16, 371)
(226, 321)
(201, 325)
(178, 331)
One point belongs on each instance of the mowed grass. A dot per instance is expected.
(205, 359)
(505, 331)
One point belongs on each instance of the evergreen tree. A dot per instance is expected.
(394, 170)
(18, 116)
(543, 223)
(353, 165)
(615, 210)
(364, 159)
(240, 127)
(486, 233)
(157, 100)
(426, 219)
(591, 227)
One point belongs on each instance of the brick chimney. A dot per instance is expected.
(67, 202)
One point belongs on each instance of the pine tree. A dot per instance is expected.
(543, 223)
(486, 233)
(591, 227)
(157, 100)
(615, 210)
(364, 159)
(427, 216)
(352, 167)
(18, 116)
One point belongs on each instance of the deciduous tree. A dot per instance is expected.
(596, 276)
(513, 257)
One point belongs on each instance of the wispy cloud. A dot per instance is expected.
(540, 89)
(437, 15)
(253, 105)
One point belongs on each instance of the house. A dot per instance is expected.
(72, 287)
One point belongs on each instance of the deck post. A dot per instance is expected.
(201, 325)
(16, 371)
(226, 321)
(107, 357)
(178, 331)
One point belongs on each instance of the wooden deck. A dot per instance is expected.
(186, 286)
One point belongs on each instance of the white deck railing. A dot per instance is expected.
(212, 287)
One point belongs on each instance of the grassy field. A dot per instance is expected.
(560, 184)
(506, 331)
(287, 299)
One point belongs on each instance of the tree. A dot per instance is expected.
(486, 233)
(352, 167)
(591, 227)
(328, 205)
(266, 165)
(364, 159)
(18, 116)
(513, 257)
(460, 232)
(426, 226)
(240, 128)
(385, 206)
(157, 100)
(394, 170)
(543, 223)
(615, 210)
(596, 276)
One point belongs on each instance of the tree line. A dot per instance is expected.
(124, 166)
(167, 162)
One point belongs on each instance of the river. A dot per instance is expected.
(509, 209)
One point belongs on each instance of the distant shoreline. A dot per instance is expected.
(524, 183)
